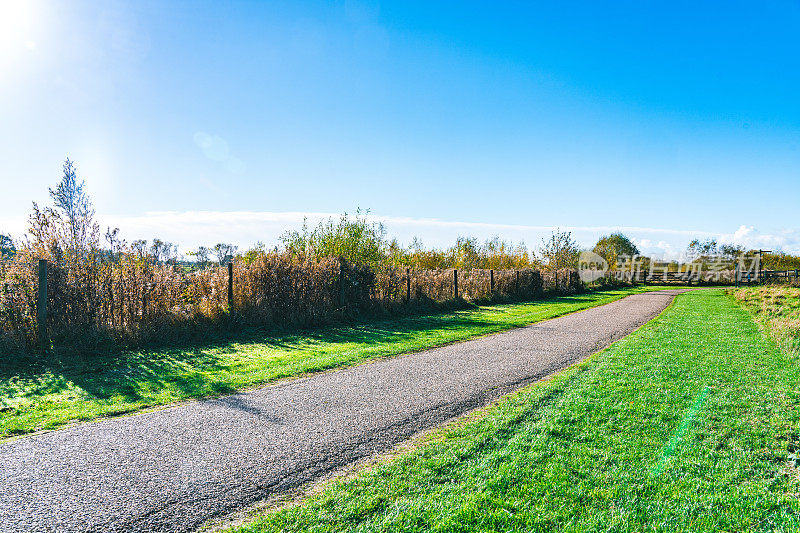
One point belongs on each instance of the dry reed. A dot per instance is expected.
(131, 299)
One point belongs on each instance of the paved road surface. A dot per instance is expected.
(173, 469)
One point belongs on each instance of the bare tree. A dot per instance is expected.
(202, 255)
(163, 251)
(115, 243)
(224, 252)
(139, 248)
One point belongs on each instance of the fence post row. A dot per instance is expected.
(230, 287)
(41, 305)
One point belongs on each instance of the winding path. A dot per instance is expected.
(175, 468)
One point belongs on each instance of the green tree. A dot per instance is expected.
(7, 248)
(356, 239)
(610, 247)
(698, 248)
(731, 251)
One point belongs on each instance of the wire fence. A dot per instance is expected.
(131, 300)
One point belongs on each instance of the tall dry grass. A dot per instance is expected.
(777, 309)
(132, 299)
(130, 294)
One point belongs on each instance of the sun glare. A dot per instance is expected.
(17, 28)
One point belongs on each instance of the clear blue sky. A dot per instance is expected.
(674, 115)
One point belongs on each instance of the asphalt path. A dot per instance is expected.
(175, 468)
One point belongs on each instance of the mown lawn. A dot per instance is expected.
(686, 425)
(47, 393)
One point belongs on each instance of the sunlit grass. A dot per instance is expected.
(686, 425)
(44, 394)
(777, 308)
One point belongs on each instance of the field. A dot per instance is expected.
(45, 393)
(689, 424)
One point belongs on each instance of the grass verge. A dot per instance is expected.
(686, 425)
(47, 393)
(777, 309)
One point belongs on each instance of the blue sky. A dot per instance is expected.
(208, 121)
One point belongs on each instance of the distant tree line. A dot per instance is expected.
(67, 231)
(101, 287)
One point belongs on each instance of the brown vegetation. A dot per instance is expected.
(130, 299)
(777, 308)
(129, 294)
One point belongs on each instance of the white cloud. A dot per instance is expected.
(748, 236)
(244, 228)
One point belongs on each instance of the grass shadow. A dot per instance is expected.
(197, 367)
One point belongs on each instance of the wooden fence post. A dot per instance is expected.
(408, 285)
(555, 279)
(41, 305)
(230, 287)
(516, 283)
(455, 283)
(491, 282)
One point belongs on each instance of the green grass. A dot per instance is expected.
(45, 394)
(686, 425)
(777, 309)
